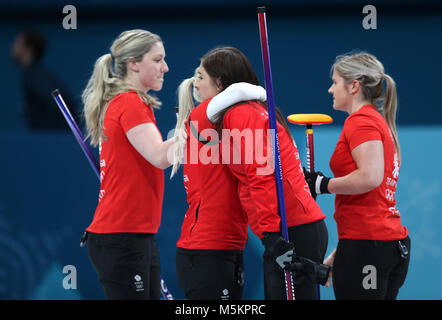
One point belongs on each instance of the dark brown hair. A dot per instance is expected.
(228, 65)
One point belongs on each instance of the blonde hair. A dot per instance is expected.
(187, 95)
(107, 79)
(369, 71)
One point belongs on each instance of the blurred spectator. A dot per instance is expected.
(39, 110)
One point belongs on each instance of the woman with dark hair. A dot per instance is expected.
(244, 148)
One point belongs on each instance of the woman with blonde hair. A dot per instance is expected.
(119, 116)
(372, 257)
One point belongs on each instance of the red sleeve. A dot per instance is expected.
(134, 112)
(250, 140)
(360, 128)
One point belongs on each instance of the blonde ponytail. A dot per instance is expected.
(94, 96)
(390, 108)
(105, 83)
(187, 94)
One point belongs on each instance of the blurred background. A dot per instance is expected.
(48, 192)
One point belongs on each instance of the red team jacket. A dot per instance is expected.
(214, 219)
(235, 192)
(257, 179)
(372, 215)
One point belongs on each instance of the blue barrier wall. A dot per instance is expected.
(48, 192)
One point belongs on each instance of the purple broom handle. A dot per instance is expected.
(92, 160)
(275, 142)
(272, 119)
(76, 131)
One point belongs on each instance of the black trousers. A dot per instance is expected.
(311, 242)
(210, 274)
(369, 269)
(127, 264)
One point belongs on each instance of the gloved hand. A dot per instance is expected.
(314, 271)
(317, 182)
(277, 248)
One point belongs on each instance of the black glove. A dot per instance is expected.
(317, 182)
(314, 271)
(277, 248)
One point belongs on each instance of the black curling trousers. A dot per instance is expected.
(210, 274)
(369, 269)
(127, 264)
(311, 242)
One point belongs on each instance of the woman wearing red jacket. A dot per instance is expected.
(214, 230)
(249, 166)
(372, 257)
